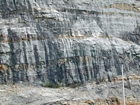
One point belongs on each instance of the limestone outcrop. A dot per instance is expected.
(68, 41)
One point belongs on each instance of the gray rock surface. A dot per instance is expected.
(68, 42)
(105, 94)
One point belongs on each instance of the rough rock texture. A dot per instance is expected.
(88, 94)
(68, 42)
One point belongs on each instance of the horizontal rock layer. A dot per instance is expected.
(68, 42)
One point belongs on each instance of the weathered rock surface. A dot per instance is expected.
(88, 94)
(68, 42)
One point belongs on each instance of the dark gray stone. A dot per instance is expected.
(68, 42)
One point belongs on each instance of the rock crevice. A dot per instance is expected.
(68, 42)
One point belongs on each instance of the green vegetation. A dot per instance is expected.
(51, 85)
(13, 83)
(24, 22)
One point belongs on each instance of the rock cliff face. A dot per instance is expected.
(69, 41)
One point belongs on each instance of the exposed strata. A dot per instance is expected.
(66, 42)
(124, 6)
(88, 94)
